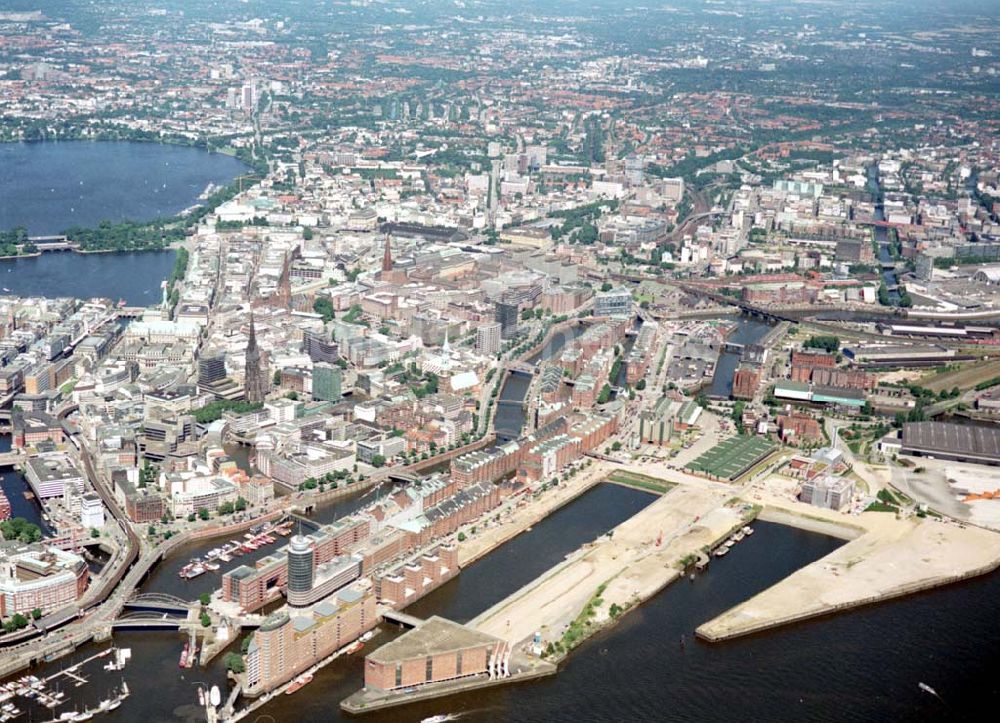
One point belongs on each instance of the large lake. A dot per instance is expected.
(48, 187)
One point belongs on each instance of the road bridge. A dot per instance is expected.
(157, 602)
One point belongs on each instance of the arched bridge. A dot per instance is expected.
(158, 602)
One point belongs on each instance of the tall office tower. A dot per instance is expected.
(255, 382)
(488, 337)
(326, 382)
(300, 566)
(319, 347)
(506, 316)
(211, 367)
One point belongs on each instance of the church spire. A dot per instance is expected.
(387, 256)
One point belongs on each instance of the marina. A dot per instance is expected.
(251, 542)
(48, 692)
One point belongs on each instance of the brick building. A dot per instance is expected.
(437, 651)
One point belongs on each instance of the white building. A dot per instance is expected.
(91, 511)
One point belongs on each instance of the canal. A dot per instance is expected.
(509, 413)
(23, 503)
(747, 331)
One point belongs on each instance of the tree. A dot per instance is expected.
(527, 315)
(828, 343)
(616, 446)
(36, 613)
(234, 663)
(604, 396)
(206, 621)
(226, 508)
(461, 537)
(606, 286)
(205, 598)
(203, 513)
(241, 504)
(307, 233)
(378, 460)
(191, 517)
(94, 533)
(323, 306)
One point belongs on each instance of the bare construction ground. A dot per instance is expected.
(629, 563)
(892, 557)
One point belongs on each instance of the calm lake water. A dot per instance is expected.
(48, 187)
(134, 277)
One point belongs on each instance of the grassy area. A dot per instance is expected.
(582, 626)
(967, 377)
(732, 458)
(881, 507)
(633, 479)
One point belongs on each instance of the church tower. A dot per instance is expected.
(387, 256)
(255, 382)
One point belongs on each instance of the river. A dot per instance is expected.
(863, 665)
(49, 187)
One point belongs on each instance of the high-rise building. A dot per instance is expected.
(211, 368)
(506, 316)
(326, 382)
(255, 382)
(300, 566)
(488, 338)
(320, 347)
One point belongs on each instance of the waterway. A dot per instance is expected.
(14, 487)
(509, 418)
(747, 331)
(134, 277)
(863, 665)
(49, 187)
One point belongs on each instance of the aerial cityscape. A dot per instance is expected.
(429, 360)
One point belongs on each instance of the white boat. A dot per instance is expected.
(201, 697)
(86, 715)
(215, 696)
(721, 551)
(115, 703)
(748, 530)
